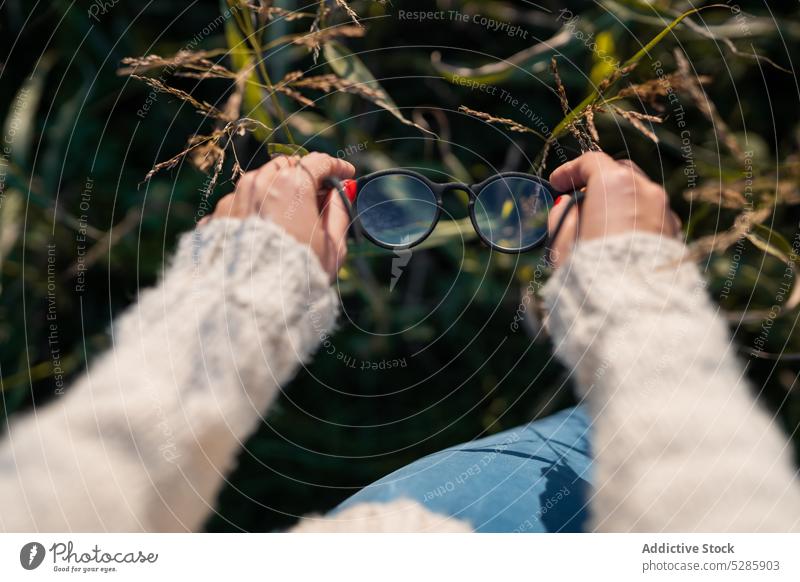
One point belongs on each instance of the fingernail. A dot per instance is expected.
(558, 200)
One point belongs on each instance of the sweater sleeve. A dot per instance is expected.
(144, 440)
(679, 442)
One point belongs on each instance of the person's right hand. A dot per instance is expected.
(290, 192)
(619, 198)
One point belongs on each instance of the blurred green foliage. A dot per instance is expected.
(449, 366)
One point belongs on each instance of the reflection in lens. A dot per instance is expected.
(511, 212)
(396, 209)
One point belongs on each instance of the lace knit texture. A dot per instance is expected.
(144, 440)
(678, 441)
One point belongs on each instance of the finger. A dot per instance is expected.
(319, 166)
(340, 168)
(204, 220)
(633, 166)
(556, 212)
(677, 224)
(225, 206)
(280, 162)
(246, 182)
(265, 176)
(265, 173)
(574, 174)
(336, 220)
(240, 201)
(277, 189)
(333, 249)
(561, 246)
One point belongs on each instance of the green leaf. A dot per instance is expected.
(604, 57)
(311, 124)
(10, 224)
(594, 96)
(351, 68)
(645, 50)
(776, 245)
(497, 72)
(286, 149)
(253, 99)
(237, 46)
(58, 134)
(18, 131)
(18, 128)
(772, 242)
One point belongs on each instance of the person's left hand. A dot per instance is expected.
(289, 191)
(619, 198)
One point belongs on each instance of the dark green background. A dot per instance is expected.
(478, 377)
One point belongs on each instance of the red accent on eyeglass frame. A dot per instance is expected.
(351, 189)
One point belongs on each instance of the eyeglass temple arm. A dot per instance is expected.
(574, 198)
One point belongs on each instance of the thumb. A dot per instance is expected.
(561, 246)
(317, 166)
(336, 222)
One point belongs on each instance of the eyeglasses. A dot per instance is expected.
(399, 209)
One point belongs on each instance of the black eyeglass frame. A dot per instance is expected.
(438, 190)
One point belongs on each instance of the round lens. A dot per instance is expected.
(396, 209)
(511, 212)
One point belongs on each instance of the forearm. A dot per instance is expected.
(679, 443)
(144, 440)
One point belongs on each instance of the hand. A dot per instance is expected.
(619, 198)
(289, 191)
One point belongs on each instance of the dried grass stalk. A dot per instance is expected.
(291, 77)
(201, 106)
(350, 12)
(149, 62)
(726, 197)
(316, 38)
(268, 12)
(331, 82)
(297, 96)
(590, 126)
(233, 106)
(510, 124)
(316, 26)
(188, 64)
(283, 87)
(650, 91)
(562, 92)
(584, 139)
(706, 106)
(208, 155)
(617, 74)
(636, 118)
(721, 241)
(767, 189)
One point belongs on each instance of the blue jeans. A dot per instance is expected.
(534, 478)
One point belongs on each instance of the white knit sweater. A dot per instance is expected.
(144, 440)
